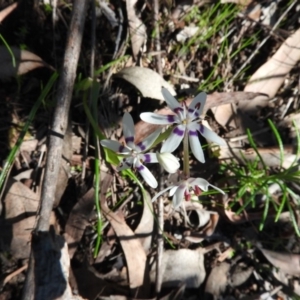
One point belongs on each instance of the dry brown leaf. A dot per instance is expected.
(25, 61)
(147, 81)
(134, 252)
(270, 76)
(286, 262)
(217, 280)
(181, 266)
(137, 29)
(146, 226)
(270, 155)
(7, 10)
(78, 220)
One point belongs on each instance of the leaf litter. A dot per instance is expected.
(125, 266)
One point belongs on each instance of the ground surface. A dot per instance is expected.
(243, 245)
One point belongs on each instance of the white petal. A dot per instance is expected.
(148, 158)
(146, 174)
(210, 135)
(179, 195)
(115, 146)
(195, 145)
(173, 190)
(128, 130)
(147, 143)
(153, 118)
(197, 105)
(174, 139)
(202, 183)
(161, 193)
(125, 164)
(171, 101)
(218, 189)
(168, 161)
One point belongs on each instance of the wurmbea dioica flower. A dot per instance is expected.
(134, 154)
(186, 120)
(185, 189)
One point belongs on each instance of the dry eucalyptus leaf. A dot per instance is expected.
(134, 253)
(181, 266)
(270, 76)
(146, 226)
(286, 262)
(7, 10)
(148, 82)
(25, 61)
(137, 29)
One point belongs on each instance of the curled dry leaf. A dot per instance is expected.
(181, 266)
(148, 82)
(25, 61)
(137, 29)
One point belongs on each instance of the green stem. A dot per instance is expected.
(186, 156)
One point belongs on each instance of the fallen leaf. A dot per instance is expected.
(25, 61)
(134, 252)
(181, 266)
(217, 281)
(287, 262)
(147, 81)
(78, 220)
(270, 76)
(7, 10)
(144, 231)
(137, 29)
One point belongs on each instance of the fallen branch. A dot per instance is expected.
(57, 132)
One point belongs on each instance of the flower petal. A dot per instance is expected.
(161, 193)
(168, 161)
(146, 174)
(173, 190)
(126, 163)
(203, 184)
(147, 143)
(115, 146)
(153, 118)
(179, 194)
(171, 101)
(195, 145)
(148, 158)
(128, 130)
(174, 139)
(210, 135)
(196, 107)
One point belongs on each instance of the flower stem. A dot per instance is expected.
(186, 156)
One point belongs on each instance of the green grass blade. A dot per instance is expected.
(279, 141)
(11, 157)
(253, 145)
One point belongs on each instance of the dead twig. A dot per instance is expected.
(57, 132)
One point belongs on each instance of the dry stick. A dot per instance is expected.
(260, 45)
(59, 126)
(160, 229)
(92, 73)
(157, 36)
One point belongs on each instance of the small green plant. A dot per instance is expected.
(254, 179)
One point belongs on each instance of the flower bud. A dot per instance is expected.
(168, 161)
